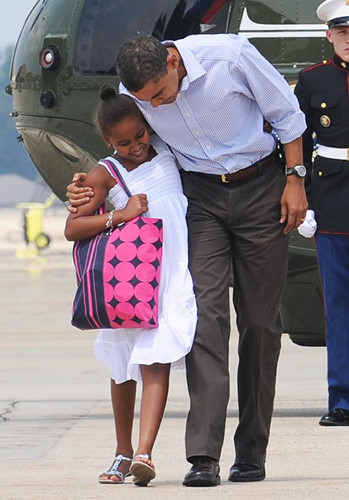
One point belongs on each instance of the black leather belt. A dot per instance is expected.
(245, 172)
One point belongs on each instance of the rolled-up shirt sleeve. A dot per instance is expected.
(272, 92)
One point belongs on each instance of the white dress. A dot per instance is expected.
(124, 350)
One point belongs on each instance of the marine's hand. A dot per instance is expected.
(267, 127)
(293, 204)
(309, 226)
(78, 194)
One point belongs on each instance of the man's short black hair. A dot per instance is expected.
(140, 60)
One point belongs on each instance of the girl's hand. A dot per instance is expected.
(136, 205)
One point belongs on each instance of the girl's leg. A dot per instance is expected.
(154, 395)
(123, 401)
(155, 380)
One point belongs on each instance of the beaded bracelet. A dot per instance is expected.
(109, 224)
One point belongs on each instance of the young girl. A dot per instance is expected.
(147, 166)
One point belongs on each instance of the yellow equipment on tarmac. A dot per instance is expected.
(33, 224)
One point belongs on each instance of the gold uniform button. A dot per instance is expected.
(320, 174)
(324, 61)
(323, 105)
(343, 64)
(325, 121)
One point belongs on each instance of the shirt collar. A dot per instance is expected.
(193, 68)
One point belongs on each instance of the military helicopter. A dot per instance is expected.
(65, 53)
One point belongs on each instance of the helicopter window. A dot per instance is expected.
(103, 26)
(288, 34)
(64, 147)
(276, 12)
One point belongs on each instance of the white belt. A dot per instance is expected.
(334, 153)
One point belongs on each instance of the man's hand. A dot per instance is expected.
(293, 204)
(77, 193)
(293, 201)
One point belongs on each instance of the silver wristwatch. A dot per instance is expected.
(298, 170)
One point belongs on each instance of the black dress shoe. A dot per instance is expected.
(204, 472)
(242, 472)
(336, 417)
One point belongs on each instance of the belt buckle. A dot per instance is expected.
(224, 179)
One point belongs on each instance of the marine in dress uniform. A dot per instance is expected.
(323, 93)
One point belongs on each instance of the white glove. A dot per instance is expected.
(309, 226)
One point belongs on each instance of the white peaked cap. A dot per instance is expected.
(334, 13)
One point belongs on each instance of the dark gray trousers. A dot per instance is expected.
(238, 225)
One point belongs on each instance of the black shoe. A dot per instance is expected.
(242, 472)
(336, 417)
(204, 472)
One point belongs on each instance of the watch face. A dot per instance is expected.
(301, 170)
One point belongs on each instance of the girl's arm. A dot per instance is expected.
(85, 223)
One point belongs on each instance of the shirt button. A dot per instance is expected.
(208, 147)
(197, 132)
(187, 114)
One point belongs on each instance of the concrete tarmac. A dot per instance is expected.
(56, 425)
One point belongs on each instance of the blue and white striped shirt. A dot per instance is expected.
(216, 123)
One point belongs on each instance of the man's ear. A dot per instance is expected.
(172, 60)
(329, 35)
